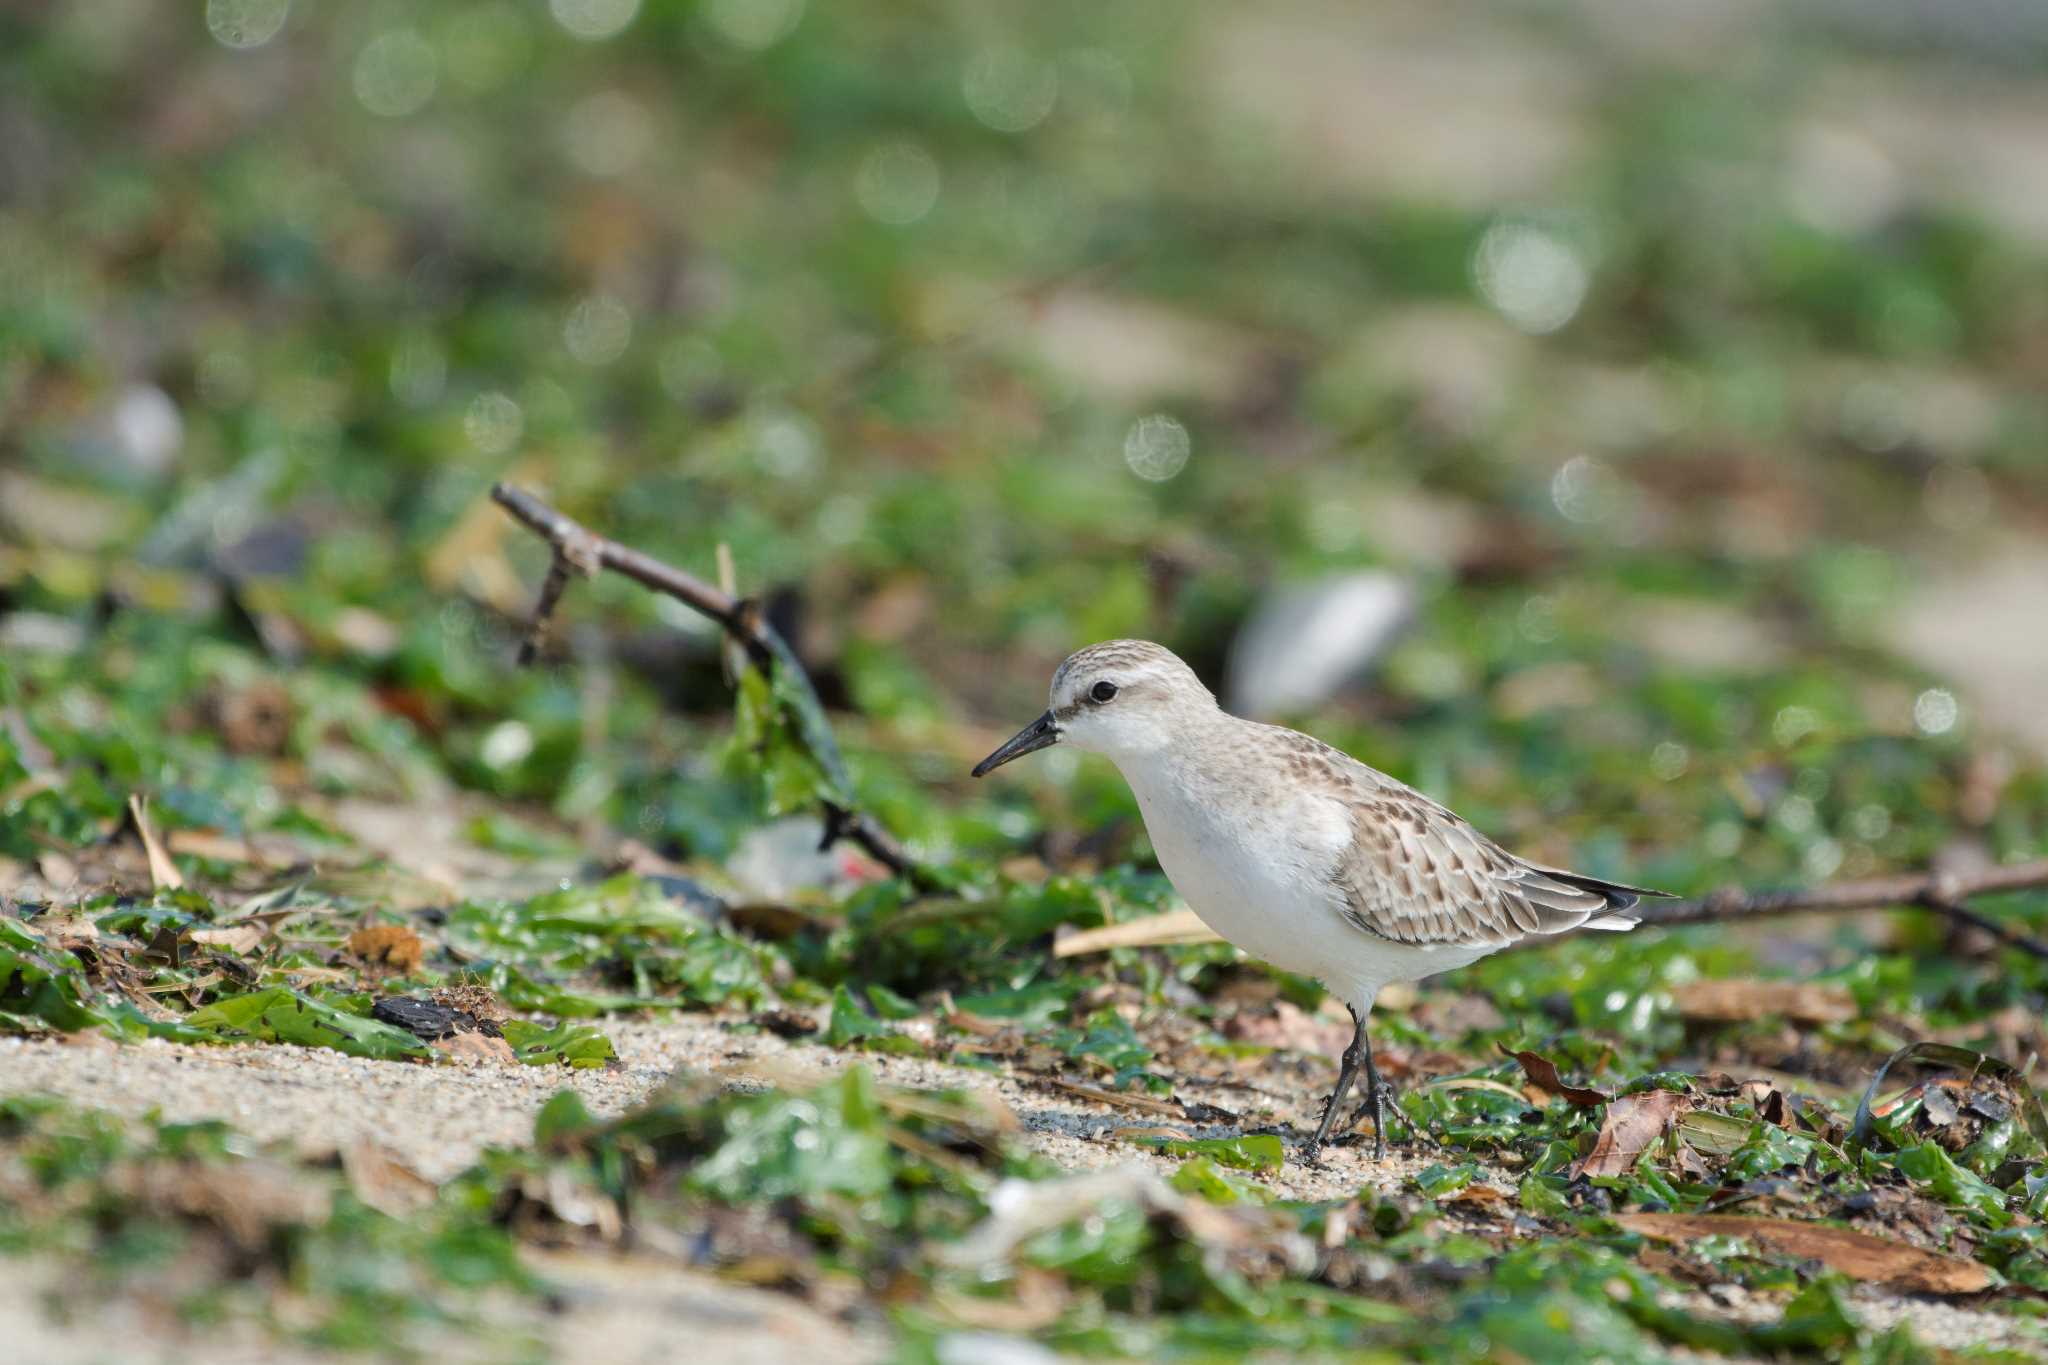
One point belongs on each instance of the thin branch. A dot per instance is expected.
(582, 552)
(1943, 893)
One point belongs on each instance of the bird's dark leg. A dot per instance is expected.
(1359, 1052)
(1377, 1094)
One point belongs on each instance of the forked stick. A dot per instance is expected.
(581, 552)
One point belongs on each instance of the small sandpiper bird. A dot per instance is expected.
(1300, 854)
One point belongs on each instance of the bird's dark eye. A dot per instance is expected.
(1102, 691)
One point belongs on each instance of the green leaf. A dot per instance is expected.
(1041, 1002)
(1862, 1129)
(889, 1005)
(47, 986)
(563, 1116)
(1259, 1152)
(576, 1045)
(852, 1026)
(1112, 1045)
(829, 1141)
(279, 1014)
(1950, 1183)
(1437, 1181)
(779, 733)
(1200, 1175)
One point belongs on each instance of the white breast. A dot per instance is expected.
(1258, 870)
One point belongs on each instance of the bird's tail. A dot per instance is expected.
(1619, 897)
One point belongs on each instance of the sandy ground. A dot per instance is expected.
(438, 1119)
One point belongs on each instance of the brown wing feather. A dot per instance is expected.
(1417, 873)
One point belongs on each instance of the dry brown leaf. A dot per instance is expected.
(58, 871)
(252, 719)
(1542, 1073)
(70, 933)
(1479, 1196)
(163, 873)
(238, 937)
(1142, 1103)
(1632, 1124)
(248, 1200)
(206, 843)
(389, 945)
(1855, 1254)
(1476, 1083)
(384, 1182)
(1289, 1026)
(474, 1000)
(1175, 926)
(1741, 1000)
(476, 1047)
(1035, 1300)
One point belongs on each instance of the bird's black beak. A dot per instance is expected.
(1039, 734)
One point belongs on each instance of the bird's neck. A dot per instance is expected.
(1189, 743)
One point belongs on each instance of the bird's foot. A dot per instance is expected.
(1378, 1106)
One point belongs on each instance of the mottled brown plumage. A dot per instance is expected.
(1296, 851)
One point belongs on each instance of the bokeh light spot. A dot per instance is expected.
(754, 25)
(1008, 90)
(598, 330)
(607, 133)
(1156, 447)
(396, 72)
(898, 183)
(244, 24)
(493, 423)
(488, 46)
(419, 369)
(507, 743)
(1669, 760)
(786, 445)
(1533, 278)
(1935, 711)
(594, 20)
(1584, 490)
(1792, 724)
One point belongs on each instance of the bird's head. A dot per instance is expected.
(1124, 699)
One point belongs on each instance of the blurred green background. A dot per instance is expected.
(1674, 373)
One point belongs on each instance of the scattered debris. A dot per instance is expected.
(1633, 1123)
(163, 873)
(1153, 931)
(1743, 999)
(1858, 1255)
(394, 946)
(431, 1021)
(1542, 1074)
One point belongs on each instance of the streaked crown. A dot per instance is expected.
(1136, 667)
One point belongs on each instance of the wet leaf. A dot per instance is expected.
(1858, 1255)
(1261, 1153)
(852, 1026)
(1861, 1130)
(279, 1014)
(1633, 1124)
(1741, 1000)
(1542, 1073)
(563, 1044)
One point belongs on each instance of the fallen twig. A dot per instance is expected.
(1942, 892)
(582, 552)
